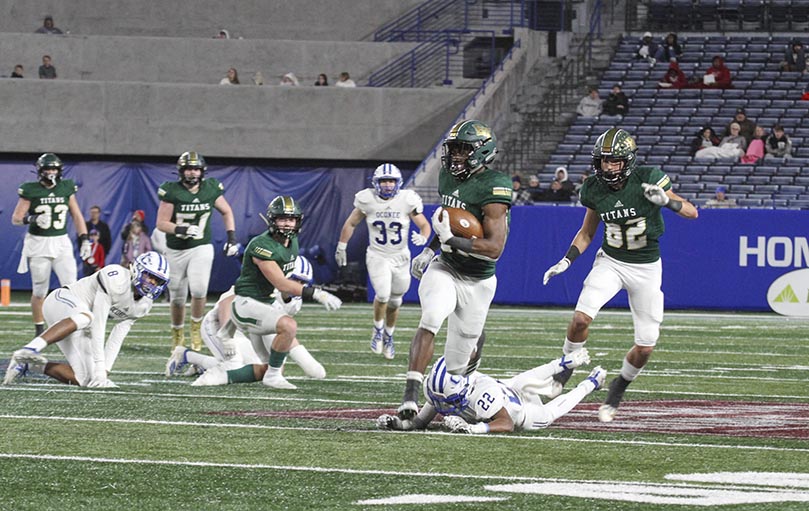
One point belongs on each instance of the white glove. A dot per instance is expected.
(340, 254)
(420, 262)
(331, 302)
(655, 194)
(193, 231)
(85, 250)
(441, 227)
(43, 220)
(555, 270)
(456, 424)
(417, 239)
(102, 383)
(232, 246)
(228, 347)
(393, 422)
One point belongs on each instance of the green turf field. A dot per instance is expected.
(719, 417)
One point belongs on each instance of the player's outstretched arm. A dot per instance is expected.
(579, 244)
(688, 210)
(346, 232)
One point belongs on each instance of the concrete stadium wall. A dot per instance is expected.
(314, 20)
(192, 60)
(113, 118)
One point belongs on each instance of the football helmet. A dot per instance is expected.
(281, 207)
(615, 144)
(470, 146)
(303, 271)
(387, 171)
(447, 392)
(191, 160)
(49, 161)
(154, 265)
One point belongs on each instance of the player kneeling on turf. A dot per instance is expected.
(481, 404)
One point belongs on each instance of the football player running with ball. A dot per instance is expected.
(387, 210)
(185, 216)
(43, 206)
(628, 198)
(268, 264)
(459, 285)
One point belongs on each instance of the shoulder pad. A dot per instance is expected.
(364, 197)
(116, 279)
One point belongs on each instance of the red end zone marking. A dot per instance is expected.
(718, 418)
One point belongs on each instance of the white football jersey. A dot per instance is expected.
(113, 284)
(487, 396)
(388, 220)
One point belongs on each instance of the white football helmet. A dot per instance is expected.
(303, 271)
(447, 392)
(387, 171)
(153, 265)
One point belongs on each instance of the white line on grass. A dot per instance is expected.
(494, 438)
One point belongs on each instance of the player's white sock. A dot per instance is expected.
(569, 347)
(203, 361)
(301, 356)
(379, 324)
(389, 330)
(630, 372)
(38, 344)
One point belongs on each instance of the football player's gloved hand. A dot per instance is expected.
(655, 194)
(555, 270)
(441, 227)
(420, 262)
(340, 254)
(231, 245)
(456, 424)
(393, 422)
(228, 347)
(43, 220)
(86, 248)
(331, 302)
(102, 383)
(417, 239)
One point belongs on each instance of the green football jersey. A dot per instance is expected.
(632, 224)
(251, 281)
(191, 209)
(52, 201)
(482, 188)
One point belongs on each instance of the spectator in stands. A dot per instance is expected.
(717, 76)
(590, 105)
(519, 195)
(289, 80)
(223, 34)
(720, 199)
(746, 126)
(670, 50)
(322, 80)
(48, 27)
(616, 103)
(232, 77)
(778, 144)
(97, 254)
(706, 138)
(136, 243)
(345, 80)
(755, 148)
(104, 235)
(647, 49)
(46, 70)
(561, 189)
(140, 216)
(732, 146)
(534, 190)
(794, 57)
(258, 79)
(674, 78)
(582, 179)
(18, 71)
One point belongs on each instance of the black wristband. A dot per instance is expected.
(308, 293)
(675, 205)
(572, 253)
(180, 230)
(435, 244)
(83, 238)
(27, 219)
(232, 237)
(463, 244)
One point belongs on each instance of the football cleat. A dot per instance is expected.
(596, 377)
(606, 413)
(387, 346)
(176, 361)
(14, 371)
(177, 338)
(196, 336)
(193, 370)
(578, 358)
(376, 340)
(212, 377)
(29, 356)
(277, 381)
(408, 410)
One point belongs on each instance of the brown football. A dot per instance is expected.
(463, 223)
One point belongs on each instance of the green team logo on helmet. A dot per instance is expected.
(470, 146)
(191, 160)
(49, 161)
(613, 145)
(284, 206)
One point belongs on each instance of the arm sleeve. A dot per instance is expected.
(101, 309)
(114, 342)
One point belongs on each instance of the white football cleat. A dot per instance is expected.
(596, 377)
(387, 346)
(29, 356)
(176, 361)
(277, 381)
(212, 377)
(14, 370)
(376, 340)
(606, 413)
(408, 410)
(580, 357)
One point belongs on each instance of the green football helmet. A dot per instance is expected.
(470, 146)
(284, 206)
(49, 161)
(191, 160)
(615, 144)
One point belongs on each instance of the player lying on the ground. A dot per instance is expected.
(77, 315)
(246, 365)
(481, 404)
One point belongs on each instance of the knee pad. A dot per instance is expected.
(648, 341)
(381, 299)
(82, 320)
(394, 302)
(40, 269)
